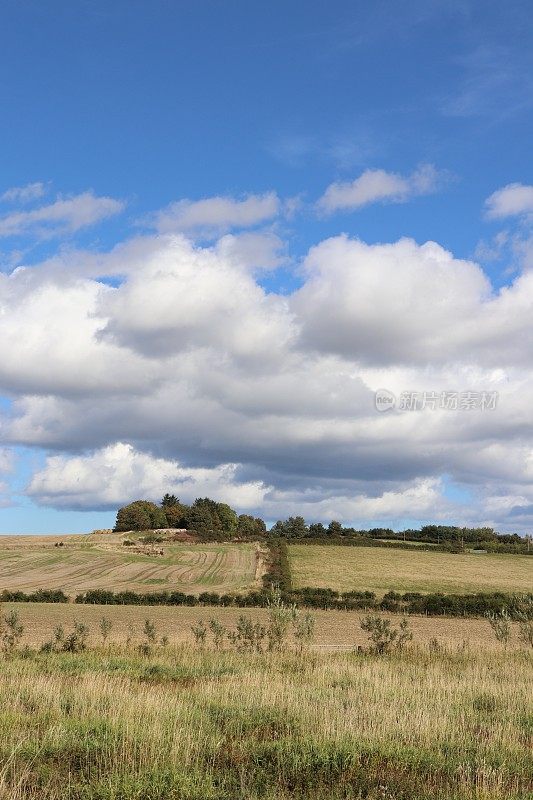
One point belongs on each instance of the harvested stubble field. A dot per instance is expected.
(334, 629)
(381, 570)
(184, 724)
(102, 562)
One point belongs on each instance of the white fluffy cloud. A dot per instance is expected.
(217, 214)
(266, 399)
(408, 304)
(377, 185)
(50, 340)
(110, 477)
(389, 303)
(515, 199)
(419, 499)
(65, 215)
(194, 298)
(260, 250)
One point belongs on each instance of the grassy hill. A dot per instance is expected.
(381, 570)
(102, 561)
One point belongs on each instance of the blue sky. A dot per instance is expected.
(134, 106)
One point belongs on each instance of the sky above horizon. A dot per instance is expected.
(224, 227)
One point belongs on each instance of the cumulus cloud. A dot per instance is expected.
(194, 365)
(23, 194)
(515, 199)
(112, 476)
(186, 297)
(65, 215)
(398, 303)
(419, 499)
(377, 185)
(217, 214)
(50, 343)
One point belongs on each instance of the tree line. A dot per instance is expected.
(211, 519)
(297, 528)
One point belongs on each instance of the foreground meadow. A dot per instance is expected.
(381, 570)
(179, 723)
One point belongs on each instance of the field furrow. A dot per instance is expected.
(98, 562)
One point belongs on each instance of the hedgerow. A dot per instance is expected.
(435, 604)
(40, 596)
(452, 605)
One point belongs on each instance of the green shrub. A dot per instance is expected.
(383, 636)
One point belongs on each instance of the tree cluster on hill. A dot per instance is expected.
(141, 515)
(205, 516)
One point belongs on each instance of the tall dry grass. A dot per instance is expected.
(189, 724)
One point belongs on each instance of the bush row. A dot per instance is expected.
(40, 596)
(452, 605)
(458, 605)
(127, 598)
(306, 598)
(436, 604)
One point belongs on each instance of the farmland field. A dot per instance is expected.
(381, 570)
(334, 629)
(87, 562)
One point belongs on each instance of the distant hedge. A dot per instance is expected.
(127, 598)
(432, 605)
(457, 605)
(40, 596)
(452, 605)
(417, 545)
(309, 598)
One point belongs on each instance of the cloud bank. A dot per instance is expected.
(187, 375)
